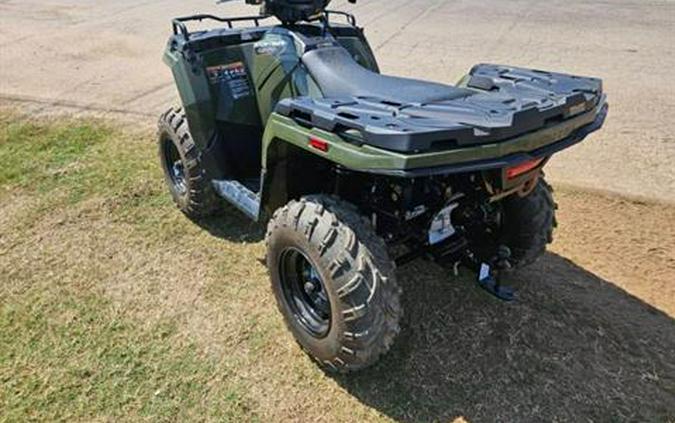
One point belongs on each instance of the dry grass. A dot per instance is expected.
(114, 305)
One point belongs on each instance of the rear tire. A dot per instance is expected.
(528, 224)
(358, 317)
(183, 171)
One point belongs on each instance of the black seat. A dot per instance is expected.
(339, 75)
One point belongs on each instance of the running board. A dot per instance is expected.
(239, 196)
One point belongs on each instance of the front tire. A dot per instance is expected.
(333, 282)
(183, 170)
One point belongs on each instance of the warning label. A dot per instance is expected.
(233, 75)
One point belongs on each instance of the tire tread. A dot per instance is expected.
(201, 199)
(355, 255)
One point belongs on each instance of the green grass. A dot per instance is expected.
(77, 358)
(76, 160)
(114, 306)
(67, 352)
(35, 154)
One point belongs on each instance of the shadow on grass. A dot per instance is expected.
(233, 226)
(574, 347)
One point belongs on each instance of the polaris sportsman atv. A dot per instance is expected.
(355, 172)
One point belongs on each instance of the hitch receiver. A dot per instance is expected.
(489, 275)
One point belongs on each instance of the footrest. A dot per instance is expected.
(239, 196)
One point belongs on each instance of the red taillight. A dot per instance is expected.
(319, 144)
(522, 168)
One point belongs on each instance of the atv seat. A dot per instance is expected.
(339, 75)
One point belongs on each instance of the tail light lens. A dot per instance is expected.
(319, 144)
(522, 168)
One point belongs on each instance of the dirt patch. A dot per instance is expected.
(630, 243)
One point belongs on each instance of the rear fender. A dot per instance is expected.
(292, 168)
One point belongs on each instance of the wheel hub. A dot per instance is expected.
(310, 288)
(179, 176)
(305, 292)
(174, 164)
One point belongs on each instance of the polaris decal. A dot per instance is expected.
(272, 48)
(273, 45)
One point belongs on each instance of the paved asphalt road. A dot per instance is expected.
(104, 56)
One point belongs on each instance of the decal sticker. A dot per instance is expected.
(270, 47)
(233, 75)
(273, 45)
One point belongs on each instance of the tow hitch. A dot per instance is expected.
(489, 275)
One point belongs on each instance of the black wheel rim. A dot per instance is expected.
(174, 166)
(305, 293)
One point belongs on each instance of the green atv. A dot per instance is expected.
(356, 172)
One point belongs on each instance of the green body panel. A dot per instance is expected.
(269, 58)
(370, 159)
(195, 95)
(207, 102)
(279, 75)
(232, 106)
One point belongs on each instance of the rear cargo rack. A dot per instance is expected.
(503, 103)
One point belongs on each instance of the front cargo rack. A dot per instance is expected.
(348, 16)
(179, 24)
